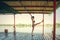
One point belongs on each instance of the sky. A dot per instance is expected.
(26, 19)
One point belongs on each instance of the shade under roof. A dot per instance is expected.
(5, 9)
(45, 7)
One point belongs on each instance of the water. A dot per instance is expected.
(24, 33)
(29, 29)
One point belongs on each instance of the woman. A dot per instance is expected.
(33, 23)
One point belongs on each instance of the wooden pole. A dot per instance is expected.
(43, 23)
(54, 25)
(14, 26)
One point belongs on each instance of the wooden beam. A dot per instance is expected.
(33, 6)
(27, 0)
(35, 10)
(38, 12)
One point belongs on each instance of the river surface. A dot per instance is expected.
(24, 33)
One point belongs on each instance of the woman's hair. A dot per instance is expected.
(32, 16)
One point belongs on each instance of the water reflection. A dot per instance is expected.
(14, 33)
(14, 37)
(22, 36)
(32, 38)
(6, 34)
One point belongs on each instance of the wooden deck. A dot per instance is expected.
(25, 36)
